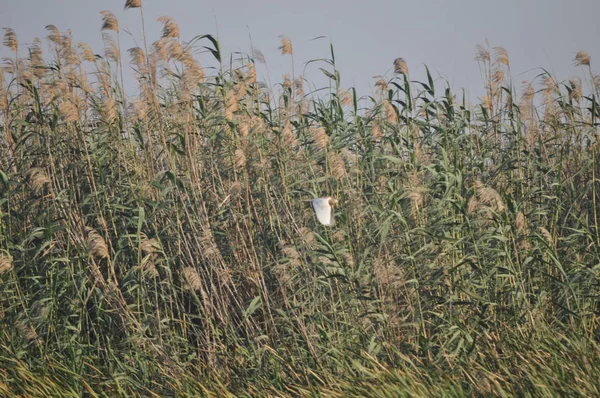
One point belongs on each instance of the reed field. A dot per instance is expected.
(157, 242)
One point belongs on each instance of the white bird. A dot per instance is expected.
(324, 209)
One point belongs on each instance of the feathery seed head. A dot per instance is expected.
(400, 66)
(54, 34)
(582, 58)
(549, 85)
(149, 246)
(376, 131)
(501, 55)
(390, 113)
(547, 236)
(498, 76)
(68, 111)
(239, 159)
(528, 92)
(292, 254)
(5, 263)
(576, 92)
(111, 49)
(251, 78)
(520, 221)
(86, 52)
(133, 4)
(287, 83)
(482, 54)
(170, 27)
(258, 56)
(192, 279)
(138, 57)
(38, 178)
(299, 86)
(286, 45)
(320, 137)
(10, 39)
(381, 84)
(109, 21)
(345, 97)
(338, 168)
(96, 243)
(288, 138)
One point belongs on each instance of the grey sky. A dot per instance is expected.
(367, 36)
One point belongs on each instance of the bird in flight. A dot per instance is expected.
(324, 209)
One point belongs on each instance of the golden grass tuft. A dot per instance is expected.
(109, 21)
(133, 4)
(109, 110)
(251, 78)
(138, 57)
(288, 138)
(400, 66)
(192, 279)
(26, 330)
(482, 54)
(390, 112)
(489, 196)
(547, 236)
(376, 133)
(338, 167)
(472, 205)
(582, 58)
(10, 39)
(345, 97)
(486, 102)
(68, 111)
(388, 275)
(292, 255)
(286, 45)
(6, 264)
(576, 91)
(416, 199)
(96, 244)
(235, 189)
(287, 83)
(149, 246)
(38, 178)
(381, 84)
(111, 49)
(231, 104)
(520, 221)
(54, 34)
(86, 52)
(320, 137)
(239, 159)
(527, 91)
(501, 56)
(170, 27)
(258, 55)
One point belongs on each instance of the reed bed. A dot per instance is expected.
(159, 244)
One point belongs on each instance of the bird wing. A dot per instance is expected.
(323, 209)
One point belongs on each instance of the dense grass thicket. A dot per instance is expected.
(161, 244)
